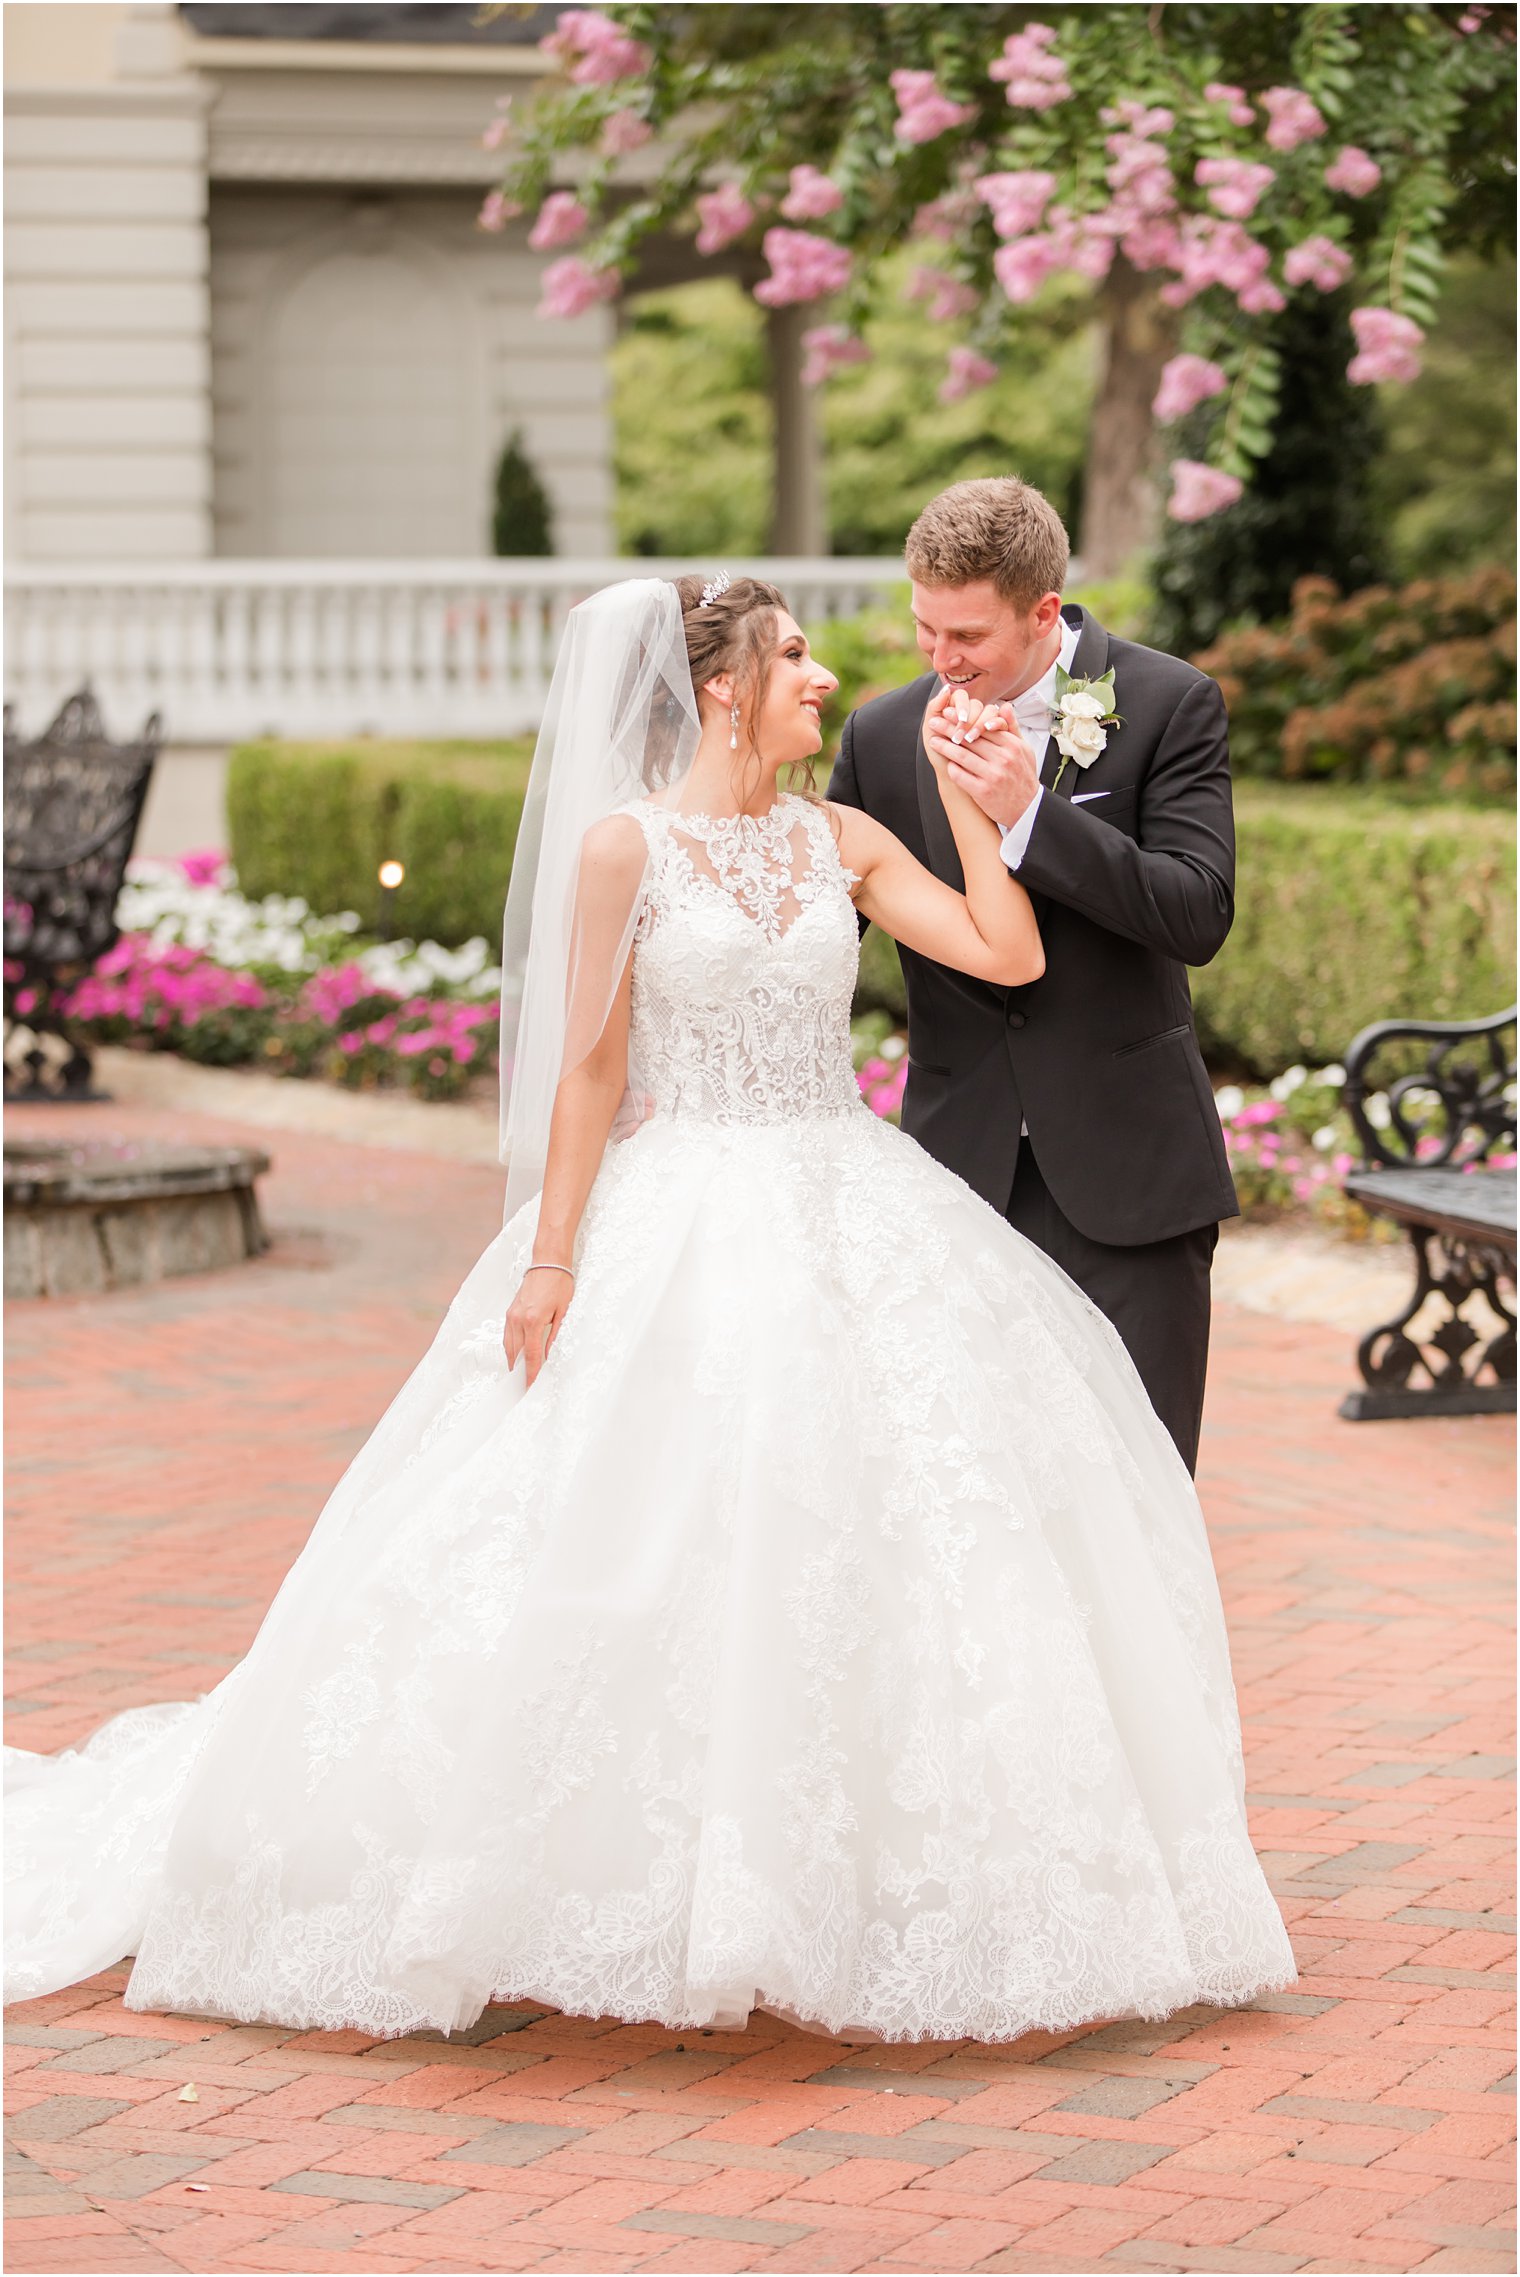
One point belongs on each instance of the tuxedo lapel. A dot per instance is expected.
(1089, 662)
(944, 859)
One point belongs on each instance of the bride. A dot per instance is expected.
(800, 1605)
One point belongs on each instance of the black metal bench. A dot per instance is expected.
(1427, 1167)
(73, 800)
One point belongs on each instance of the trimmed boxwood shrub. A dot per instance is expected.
(1349, 908)
(1351, 905)
(318, 819)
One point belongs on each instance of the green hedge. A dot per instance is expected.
(317, 819)
(1349, 908)
(1351, 905)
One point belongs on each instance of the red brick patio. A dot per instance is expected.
(168, 1452)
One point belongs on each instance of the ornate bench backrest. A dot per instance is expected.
(73, 800)
(1458, 1108)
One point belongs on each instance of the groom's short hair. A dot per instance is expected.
(999, 529)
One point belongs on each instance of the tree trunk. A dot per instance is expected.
(1120, 509)
(799, 522)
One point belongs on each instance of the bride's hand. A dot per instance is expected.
(534, 1317)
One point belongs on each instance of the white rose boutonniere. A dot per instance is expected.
(1083, 713)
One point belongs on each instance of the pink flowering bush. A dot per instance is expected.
(924, 111)
(811, 196)
(803, 267)
(624, 132)
(1318, 261)
(571, 286)
(724, 214)
(965, 371)
(1186, 381)
(1199, 490)
(562, 220)
(1353, 173)
(1291, 117)
(595, 51)
(1033, 75)
(827, 349)
(947, 296)
(1235, 187)
(1387, 347)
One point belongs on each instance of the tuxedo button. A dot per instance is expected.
(1016, 1019)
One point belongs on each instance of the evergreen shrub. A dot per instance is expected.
(1350, 907)
(317, 819)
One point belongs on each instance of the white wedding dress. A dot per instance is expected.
(831, 1628)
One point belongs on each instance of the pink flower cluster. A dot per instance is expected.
(594, 51)
(1236, 109)
(1387, 347)
(803, 267)
(571, 286)
(829, 348)
(1235, 187)
(562, 220)
(1199, 490)
(945, 217)
(924, 110)
(947, 296)
(1222, 253)
(1017, 201)
(1291, 118)
(1035, 78)
(724, 213)
(160, 987)
(412, 1027)
(1253, 1143)
(882, 1084)
(496, 211)
(965, 371)
(1317, 261)
(1353, 173)
(208, 866)
(810, 196)
(496, 128)
(1186, 382)
(624, 131)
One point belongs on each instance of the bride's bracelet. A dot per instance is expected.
(544, 1266)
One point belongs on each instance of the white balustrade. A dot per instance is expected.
(228, 650)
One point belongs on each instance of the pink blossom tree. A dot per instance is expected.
(1194, 167)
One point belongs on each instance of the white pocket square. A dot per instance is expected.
(1085, 798)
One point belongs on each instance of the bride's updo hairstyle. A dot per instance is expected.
(734, 633)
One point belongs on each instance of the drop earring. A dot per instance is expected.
(733, 727)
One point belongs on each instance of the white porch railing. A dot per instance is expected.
(228, 650)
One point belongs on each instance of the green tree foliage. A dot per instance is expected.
(1445, 482)
(692, 420)
(1310, 509)
(521, 517)
(742, 95)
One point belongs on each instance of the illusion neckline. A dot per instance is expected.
(785, 800)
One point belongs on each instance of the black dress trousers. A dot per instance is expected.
(1155, 1293)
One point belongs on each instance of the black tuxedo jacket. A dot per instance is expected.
(1131, 884)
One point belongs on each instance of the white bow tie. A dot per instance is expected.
(1033, 713)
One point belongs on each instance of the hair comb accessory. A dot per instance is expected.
(713, 587)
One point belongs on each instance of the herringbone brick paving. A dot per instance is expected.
(169, 1449)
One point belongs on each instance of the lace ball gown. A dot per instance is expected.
(831, 1628)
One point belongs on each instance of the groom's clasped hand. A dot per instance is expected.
(981, 749)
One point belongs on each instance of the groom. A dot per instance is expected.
(1077, 1105)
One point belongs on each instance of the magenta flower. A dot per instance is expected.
(562, 220)
(204, 868)
(1317, 261)
(803, 267)
(1186, 382)
(571, 286)
(1387, 347)
(724, 213)
(829, 348)
(1034, 78)
(1197, 492)
(965, 371)
(811, 195)
(1354, 173)
(924, 110)
(1292, 118)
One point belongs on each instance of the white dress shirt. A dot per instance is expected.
(1032, 711)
